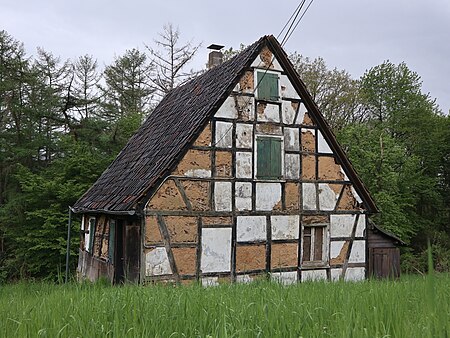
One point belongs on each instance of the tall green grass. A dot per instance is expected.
(410, 307)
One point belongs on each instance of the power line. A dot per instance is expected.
(287, 23)
(307, 7)
(295, 14)
(288, 34)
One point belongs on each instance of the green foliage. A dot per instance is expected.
(392, 175)
(61, 124)
(334, 91)
(411, 307)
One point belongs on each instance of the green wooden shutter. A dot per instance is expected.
(275, 158)
(269, 158)
(273, 86)
(263, 88)
(111, 241)
(267, 86)
(263, 159)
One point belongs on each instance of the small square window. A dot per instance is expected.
(313, 244)
(269, 159)
(267, 86)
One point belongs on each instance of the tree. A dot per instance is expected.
(170, 60)
(334, 91)
(127, 88)
(86, 81)
(403, 163)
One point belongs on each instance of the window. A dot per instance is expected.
(90, 235)
(112, 235)
(269, 159)
(267, 86)
(313, 244)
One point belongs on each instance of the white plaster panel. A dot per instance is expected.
(285, 278)
(355, 274)
(301, 114)
(222, 196)
(322, 144)
(267, 195)
(335, 248)
(309, 196)
(251, 228)
(202, 173)
(244, 164)
(243, 196)
(336, 274)
(344, 173)
(224, 134)
(210, 281)
(291, 139)
(287, 89)
(355, 195)
(288, 112)
(314, 275)
(258, 63)
(227, 109)
(327, 197)
(244, 135)
(216, 250)
(358, 253)
(271, 113)
(285, 227)
(341, 225)
(245, 279)
(157, 263)
(292, 166)
(361, 226)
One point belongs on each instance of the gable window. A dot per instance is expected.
(267, 86)
(269, 159)
(314, 240)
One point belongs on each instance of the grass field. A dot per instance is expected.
(411, 307)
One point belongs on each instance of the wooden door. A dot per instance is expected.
(384, 262)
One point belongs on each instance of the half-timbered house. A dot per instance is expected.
(234, 176)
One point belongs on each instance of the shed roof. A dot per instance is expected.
(154, 150)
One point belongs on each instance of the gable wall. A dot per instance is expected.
(213, 219)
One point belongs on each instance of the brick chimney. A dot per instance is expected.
(215, 57)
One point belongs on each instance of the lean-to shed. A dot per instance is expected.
(235, 175)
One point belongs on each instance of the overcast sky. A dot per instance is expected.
(354, 35)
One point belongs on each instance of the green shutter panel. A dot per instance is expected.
(111, 241)
(275, 157)
(263, 157)
(267, 86)
(273, 87)
(263, 87)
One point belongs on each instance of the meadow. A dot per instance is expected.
(413, 306)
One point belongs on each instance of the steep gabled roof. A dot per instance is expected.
(164, 137)
(157, 144)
